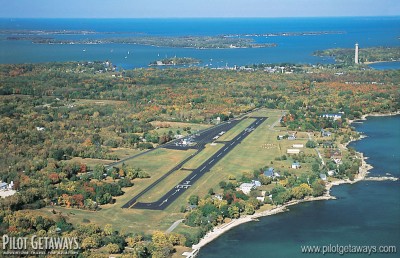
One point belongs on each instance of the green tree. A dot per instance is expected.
(315, 167)
(193, 200)
(108, 229)
(311, 144)
(99, 171)
(233, 212)
(318, 188)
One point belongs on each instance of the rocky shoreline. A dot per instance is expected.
(362, 175)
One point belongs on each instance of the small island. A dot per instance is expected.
(176, 61)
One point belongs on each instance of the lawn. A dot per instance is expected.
(158, 162)
(165, 127)
(122, 153)
(232, 133)
(203, 155)
(164, 186)
(123, 220)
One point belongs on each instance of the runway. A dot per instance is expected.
(186, 183)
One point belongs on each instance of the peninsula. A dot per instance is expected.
(197, 42)
(366, 55)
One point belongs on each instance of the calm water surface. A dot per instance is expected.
(366, 213)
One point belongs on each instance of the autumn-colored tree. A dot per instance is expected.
(112, 248)
(78, 199)
(54, 178)
(83, 168)
(108, 230)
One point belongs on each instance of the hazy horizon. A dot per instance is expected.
(198, 8)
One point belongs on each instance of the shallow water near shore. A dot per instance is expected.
(365, 214)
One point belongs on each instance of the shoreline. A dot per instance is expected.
(362, 174)
(377, 62)
(219, 230)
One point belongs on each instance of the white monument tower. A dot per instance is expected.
(356, 54)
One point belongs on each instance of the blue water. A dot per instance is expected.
(366, 213)
(377, 31)
(386, 66)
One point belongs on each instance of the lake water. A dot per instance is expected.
(366, 213)
(367, 31)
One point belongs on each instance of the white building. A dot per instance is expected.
(296, 165)
(298, 145)
(247, 187)
(293, 151)
(260, 198)
(331, 172)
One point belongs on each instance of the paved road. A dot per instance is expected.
(173, 226)
(180, 188)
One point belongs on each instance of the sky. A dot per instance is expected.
(195, 8)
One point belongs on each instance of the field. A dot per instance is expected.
(165, 127)
(236, 130)
(209, 150)
(258, 150)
